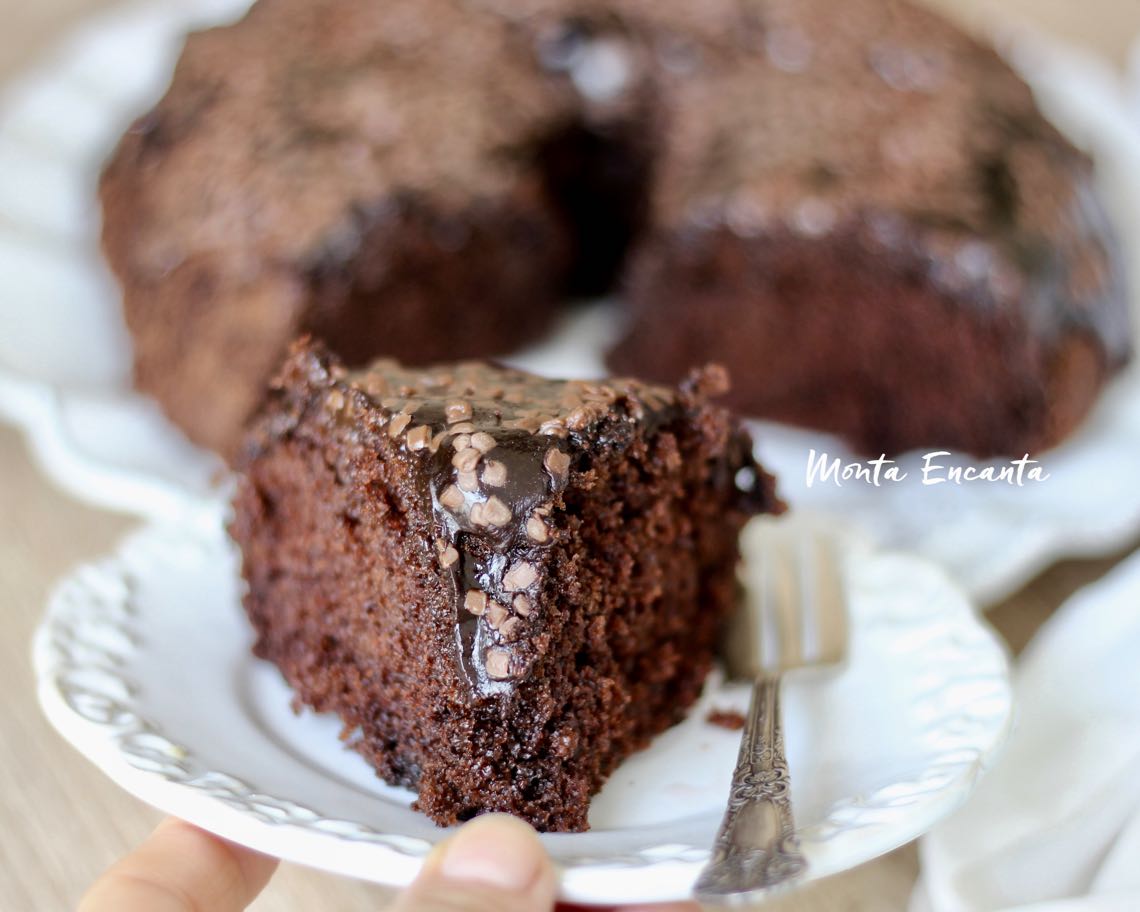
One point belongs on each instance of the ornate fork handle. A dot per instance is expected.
(756, 847)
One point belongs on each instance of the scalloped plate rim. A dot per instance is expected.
(376, 859)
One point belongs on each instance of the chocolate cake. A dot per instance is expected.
(860, 211)
(502, 584)
(363, 171)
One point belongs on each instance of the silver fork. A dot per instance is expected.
(794, 617)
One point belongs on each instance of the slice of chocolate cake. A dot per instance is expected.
(502, 584)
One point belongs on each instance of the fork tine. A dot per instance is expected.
(785, 606)
(830, 602)
(769, 591)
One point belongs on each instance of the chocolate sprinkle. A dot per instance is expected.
(452, 498)
(496, 512)
(510, 628)
(496, 615)
(466, 460)
(419, 437)
(396, 428)
(498, 664)
(494, 474)
(483, 442)
(536, 529)
(557, 463)
(521, 576)
(457, 411)
(475, 601)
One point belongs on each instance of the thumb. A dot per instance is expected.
(493, 864)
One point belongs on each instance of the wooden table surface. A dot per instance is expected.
(61, 821)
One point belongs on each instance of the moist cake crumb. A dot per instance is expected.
(725, 718)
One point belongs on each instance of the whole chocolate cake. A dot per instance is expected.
(857, 208)
(503, 584)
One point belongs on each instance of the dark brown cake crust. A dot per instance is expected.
(869, 199)
(503, 584)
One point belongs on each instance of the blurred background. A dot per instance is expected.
(62, 822)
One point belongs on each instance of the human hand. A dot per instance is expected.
(493, 864)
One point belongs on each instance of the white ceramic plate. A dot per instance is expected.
(64, 354)
(143, 663)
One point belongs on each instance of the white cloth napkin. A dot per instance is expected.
(1055, 825)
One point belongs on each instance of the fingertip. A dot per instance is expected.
(181, 867)
(254, 867)
(497, 850)
(495, 862)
